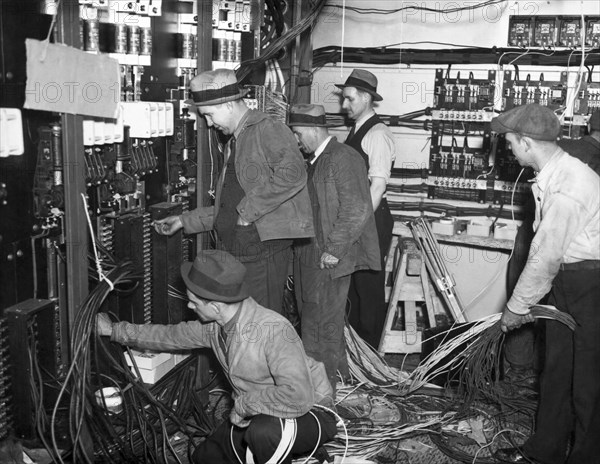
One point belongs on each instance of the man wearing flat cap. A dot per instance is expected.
(564, 259)
(375, 142)
(281, 396)
(261, 198)
(346, 238)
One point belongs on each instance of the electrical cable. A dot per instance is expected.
(372, 11)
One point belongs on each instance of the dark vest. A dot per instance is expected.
(231, 195)
(355, 138)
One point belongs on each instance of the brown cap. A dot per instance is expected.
(217, 276)
(362, 80)
(534, 121)
(215, 87)
(307, 115)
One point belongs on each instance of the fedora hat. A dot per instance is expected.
(362, 80)
(307, 115)
(215, 87)
(217, 276)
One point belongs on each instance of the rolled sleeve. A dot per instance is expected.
(380, 146)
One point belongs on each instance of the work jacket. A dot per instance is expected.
(263, 358)
(345, 223)
(270, 170)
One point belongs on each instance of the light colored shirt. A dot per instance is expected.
(567, 226)
(319, 150)
(380, 146)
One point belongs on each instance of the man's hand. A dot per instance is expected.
(510, 320)
(168, 226)
(238, 420)
(328, 261)
(242, 222)
(104, 326)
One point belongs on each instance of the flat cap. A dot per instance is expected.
(535, 121)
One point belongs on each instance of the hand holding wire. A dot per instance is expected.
(510, 320)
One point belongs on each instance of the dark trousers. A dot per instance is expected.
(322, 318)
(266, 264)
(519, 343)
(262, 436)
(366, 296)
(570, 382)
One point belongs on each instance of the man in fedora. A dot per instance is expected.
(261, 198)
(276, 386)
(375, 142)
(564, 259)
(346, 238)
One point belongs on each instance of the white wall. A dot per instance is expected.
(405, 88)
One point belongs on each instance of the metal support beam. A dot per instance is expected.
(76, 229)
(299, 90)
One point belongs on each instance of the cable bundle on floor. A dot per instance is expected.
(367, 366)
(475, 356)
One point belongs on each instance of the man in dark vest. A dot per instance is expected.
(345, 236)
(375, 142)
(261, 200)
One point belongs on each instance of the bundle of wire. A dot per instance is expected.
(276, 45)
(366, 365)
(475, 356)
(149, 416)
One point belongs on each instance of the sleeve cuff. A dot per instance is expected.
(517, 308)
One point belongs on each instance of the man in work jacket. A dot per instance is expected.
(261, 197)
(275, 384)
(345, 241)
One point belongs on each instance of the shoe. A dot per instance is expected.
(512, 455)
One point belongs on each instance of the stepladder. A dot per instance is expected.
(412, 301)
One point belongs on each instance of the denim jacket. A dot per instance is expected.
(264, 359)
(270, 170)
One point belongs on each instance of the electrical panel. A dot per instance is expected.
(520, 31)
(592, 33)
(588, 98)
(570, 32)
(48, 187)
(517, 92)
(37, 358)
(129, 238)
(460, 136)
(467, 96)
(6, 413)
(554, 32)
(545, 32)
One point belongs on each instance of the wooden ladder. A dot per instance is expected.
(411, 285)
